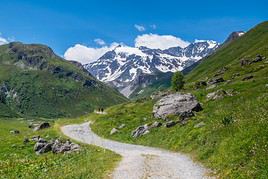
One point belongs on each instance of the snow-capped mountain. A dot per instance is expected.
(123, 66)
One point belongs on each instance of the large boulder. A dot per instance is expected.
(176, 104)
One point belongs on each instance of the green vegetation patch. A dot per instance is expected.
(18, 160)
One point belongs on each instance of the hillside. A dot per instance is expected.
(230, 134)
(247, 46)
(36, 82)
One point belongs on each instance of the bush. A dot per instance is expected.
(177, 81)
(227, 120)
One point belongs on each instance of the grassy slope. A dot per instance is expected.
(237, 150)
(43, 94)
(162, 83)
(18, 160)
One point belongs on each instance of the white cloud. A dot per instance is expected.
(84, 54)
(3, 41)
(162, 42)
(99, 42)
(140, 27)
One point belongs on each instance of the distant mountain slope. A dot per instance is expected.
(36, 82)
(249, 45)
(124, 65)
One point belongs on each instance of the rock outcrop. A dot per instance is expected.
(176, 104)
(56, 146)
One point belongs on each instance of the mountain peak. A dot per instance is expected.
(233, 36)
(123, 66)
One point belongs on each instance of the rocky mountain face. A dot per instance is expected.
(129, 68)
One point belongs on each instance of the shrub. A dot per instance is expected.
(177, 81)
(227, 120)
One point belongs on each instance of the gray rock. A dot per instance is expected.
(170, 124)
(247, 78)
(199, 125)
(266, 86)
(139, 131)
(211, 87)
(56, 146)
(175, 104)
(258, 58)
(113, 131)
(215, 81)
(14, 132)
(235, 75)
(43, 125)
(156, 124)
(41, 140)
(67, 147)
(221, 71)
(186, 115)
(219, 94)
(26, 140)
(38, 146)
(121, 126)
(245, 62)
(46, 148)
(35, 138)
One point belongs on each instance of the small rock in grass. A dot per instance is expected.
(113, 131)
(38, 146)
(121, 126)
(248, 77)
(14, 132)
(215, 81)
(139, 131)
(211, 87)
(219, 94)
(170, 124)
(199, 125)
(43, 125)
(156, 124)
(41, 140)
(266, 86)
(35, 138)
(26, 140)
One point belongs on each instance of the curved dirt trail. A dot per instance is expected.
(140, 162)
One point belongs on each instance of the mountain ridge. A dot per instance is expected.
(34, 81)
(123, 65)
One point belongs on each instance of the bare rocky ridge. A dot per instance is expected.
(139, 161)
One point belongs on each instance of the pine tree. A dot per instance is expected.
(177, 81)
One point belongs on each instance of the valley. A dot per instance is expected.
(154, 107)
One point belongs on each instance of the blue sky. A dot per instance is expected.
(64, 23)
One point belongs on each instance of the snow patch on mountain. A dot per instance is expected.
(123, 66)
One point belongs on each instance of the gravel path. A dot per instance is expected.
(140, 162)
